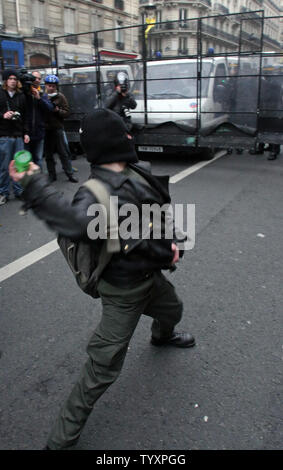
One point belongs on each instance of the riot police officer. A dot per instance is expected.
(271, 104)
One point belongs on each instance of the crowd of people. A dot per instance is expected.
(32, 120)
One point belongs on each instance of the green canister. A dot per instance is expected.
(22, 160)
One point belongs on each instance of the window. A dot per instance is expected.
(183, 45)
(69, 20)
(70, 25)
(179, 81)
(119, 4)
(155, 45)
(38, 12)
(96, 22)
(220, 74)
(119, 35)
(11, 58)
(111, 74)
(97, 25)
(183, 17)
(1, 13)
(158, 18)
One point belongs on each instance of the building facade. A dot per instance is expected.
(34, 24)
(177, 35)
(28, 28)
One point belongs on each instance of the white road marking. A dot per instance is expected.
(192, 169)
(27, 260)
(30, 258)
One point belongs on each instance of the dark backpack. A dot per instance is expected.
(80, 255)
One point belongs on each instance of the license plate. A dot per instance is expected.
(143, 148)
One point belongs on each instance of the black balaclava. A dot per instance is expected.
(103, 136)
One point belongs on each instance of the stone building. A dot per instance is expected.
(34, 24)
(28, 28)
(178, 33)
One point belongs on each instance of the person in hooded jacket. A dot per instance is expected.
(132, 283)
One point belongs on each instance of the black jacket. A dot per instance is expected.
(138, 257)
(37, 110)
(10, 127)
(55, 119)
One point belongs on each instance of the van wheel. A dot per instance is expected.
(207, 153)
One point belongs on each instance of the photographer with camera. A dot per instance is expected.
(121, 100)
(38, 107)
(14, 131)
(55, 137)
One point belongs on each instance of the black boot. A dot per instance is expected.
(180, 340)
(52, 177)
(272, 156)
(73, 179)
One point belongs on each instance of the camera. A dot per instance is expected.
(26, 79)
(125, 112)
(16, 116)
(126, 115)
(124, 87)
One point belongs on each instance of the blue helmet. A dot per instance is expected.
(51, 79)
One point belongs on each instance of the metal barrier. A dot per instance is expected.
(201, 98)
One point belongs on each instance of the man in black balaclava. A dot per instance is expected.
(132, 283)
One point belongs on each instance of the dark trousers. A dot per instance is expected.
(36, 147)
(8, 147)
(55, 142)
(107, 348)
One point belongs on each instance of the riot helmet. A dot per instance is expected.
(122, 80)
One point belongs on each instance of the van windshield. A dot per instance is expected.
(172, 81)
(84, 77)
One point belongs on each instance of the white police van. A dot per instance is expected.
(182, 97)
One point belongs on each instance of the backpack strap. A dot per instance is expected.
(112, 244)
(100, 192)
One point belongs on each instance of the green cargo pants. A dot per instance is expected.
(108, 346)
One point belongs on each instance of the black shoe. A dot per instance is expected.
(73, 179)
(180, 340)
(52, 178)
(272, 156)
(46, 448)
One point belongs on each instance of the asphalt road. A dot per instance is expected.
(225, 393)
